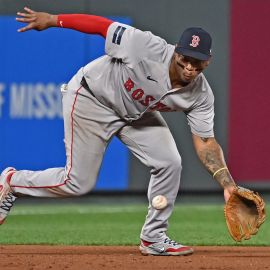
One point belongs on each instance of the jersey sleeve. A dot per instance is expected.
(201, 117)
(85, 23)
(131, 45)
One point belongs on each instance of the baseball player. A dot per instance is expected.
(122, 94)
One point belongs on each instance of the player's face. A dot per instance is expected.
(188, 68)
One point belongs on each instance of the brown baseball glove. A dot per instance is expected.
(244, 213)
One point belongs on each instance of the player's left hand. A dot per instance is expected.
(36, 20)
(228, 191)
(244, 213)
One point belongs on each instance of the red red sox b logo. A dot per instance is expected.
(195, 41)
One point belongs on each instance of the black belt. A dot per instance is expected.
(85, 86)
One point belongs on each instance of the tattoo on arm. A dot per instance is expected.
(211, 156)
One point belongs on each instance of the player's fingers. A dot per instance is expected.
(26, 20)
(25, 15)
(22, 30)
(26, 28)
(29, 10)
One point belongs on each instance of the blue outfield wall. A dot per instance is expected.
(33, 66)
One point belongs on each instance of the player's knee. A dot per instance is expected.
(174, 164)
(79, 187)
(82, 190)
(169, 164)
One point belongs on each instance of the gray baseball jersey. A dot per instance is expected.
(133, 78)
(128, 86)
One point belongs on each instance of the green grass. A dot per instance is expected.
(84, 224)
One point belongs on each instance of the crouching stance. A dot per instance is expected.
(122, 94)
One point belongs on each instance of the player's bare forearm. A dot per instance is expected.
(211, 155)
(36, 20)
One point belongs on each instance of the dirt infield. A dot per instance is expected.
(120, 258)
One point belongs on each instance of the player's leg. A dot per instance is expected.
(86, 137)
(151, 141)
(88, 128)
(84, 151)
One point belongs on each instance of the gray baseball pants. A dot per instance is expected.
(89, 126)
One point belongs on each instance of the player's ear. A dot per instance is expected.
(208, 61)
(177, 56)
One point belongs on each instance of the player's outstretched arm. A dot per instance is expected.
(211, 155)
(36, 20)
(85, 23)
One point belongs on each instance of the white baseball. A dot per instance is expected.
(159, 202)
